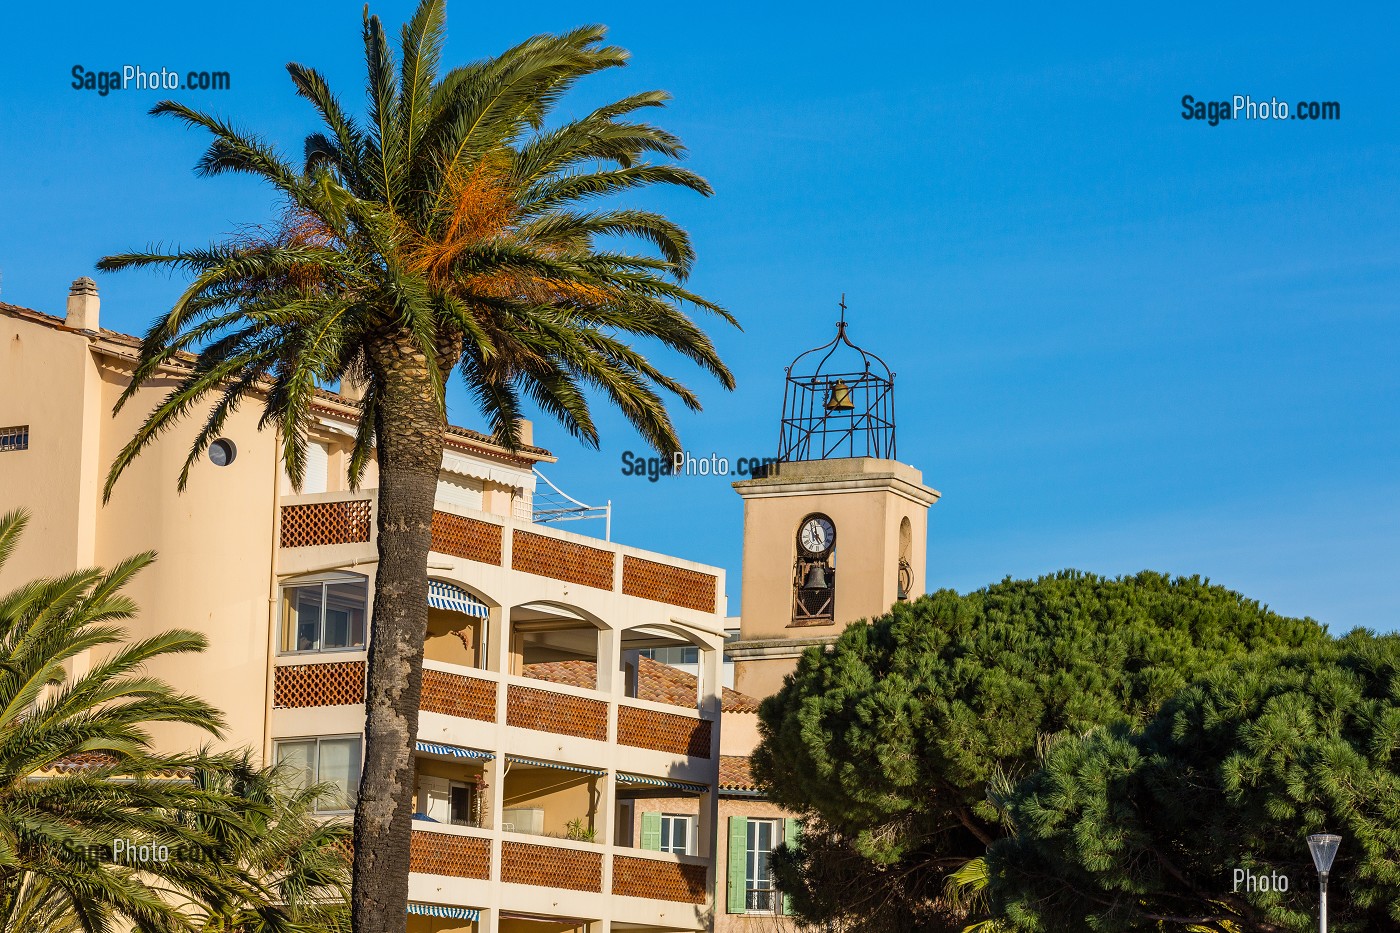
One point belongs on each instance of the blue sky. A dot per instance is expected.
(1123, 340)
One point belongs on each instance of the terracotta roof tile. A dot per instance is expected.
(657, 682)
(734, 773)
(86, 761)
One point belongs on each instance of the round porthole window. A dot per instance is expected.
(222, 452)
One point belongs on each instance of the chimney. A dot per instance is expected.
(351, 389)
(525, 432)
(82, 305)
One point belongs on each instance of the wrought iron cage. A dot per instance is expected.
(842, 407)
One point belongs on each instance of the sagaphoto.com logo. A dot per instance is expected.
(1244, 107)
(136, 78)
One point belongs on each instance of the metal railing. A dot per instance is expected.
(551, 504)
(764, 900)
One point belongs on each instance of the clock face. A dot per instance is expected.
(817, 535)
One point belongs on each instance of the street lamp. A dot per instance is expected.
(1323, 847)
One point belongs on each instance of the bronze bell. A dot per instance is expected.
(839, 399)
(816, 578)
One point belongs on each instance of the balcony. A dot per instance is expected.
(661, 876)
(443, 850)
(550, 837)
(343, 518)
(466, 694)
(553, 863)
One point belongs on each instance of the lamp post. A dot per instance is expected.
(1323, 847)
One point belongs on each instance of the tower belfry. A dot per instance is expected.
(837, 529)
(838, 401)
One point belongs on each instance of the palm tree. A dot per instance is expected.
(230, 846)
(76, 767)
(450, 229)
(295, 863)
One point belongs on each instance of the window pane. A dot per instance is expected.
(340, 767)
(462, 805)
(306, 617)
(679, 826)
(676, 832)
(297, 759)
(345, 614)
(760, 848)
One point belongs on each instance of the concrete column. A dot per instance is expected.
(610, 679)
(493, 772)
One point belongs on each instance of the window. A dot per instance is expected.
(462, 491)
(14, 438)
(464, 804)
(222, 452)
(678, 833)
(763, 838)
(325, 614)
(445, 801)
(331, 761)
(679, 654)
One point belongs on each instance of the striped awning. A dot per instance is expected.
(436, 910)
(433, 748)
(684, 786)
(522, 760)
(455, 599)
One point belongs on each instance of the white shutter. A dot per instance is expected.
(460, 491)
(435, 798)
(317, 468)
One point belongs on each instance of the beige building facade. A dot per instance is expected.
(523, 776)
(566, 779)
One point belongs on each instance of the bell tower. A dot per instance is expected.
(836, 530)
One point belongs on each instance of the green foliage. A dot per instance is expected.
(294, 864)
(1124, 828)
(578, 832)
(77, 771)
(892, 737)
(447, 230)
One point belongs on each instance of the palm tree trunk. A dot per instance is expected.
(409, 428)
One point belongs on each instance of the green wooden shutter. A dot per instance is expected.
(792, 828)
(651, 831)
(738, 864)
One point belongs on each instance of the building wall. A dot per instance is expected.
(725, 922)
(732, 806)
(49, 382)
(445, 641)
(738, 734)
(214, 545)
(521, 925)
(563, 795)
(867, 500)
(219, 571)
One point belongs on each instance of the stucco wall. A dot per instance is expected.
(47, 381)
(728, 806)
(563, 795)
(866, 500)
(214, 546)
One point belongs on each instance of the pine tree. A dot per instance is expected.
(889, 740)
